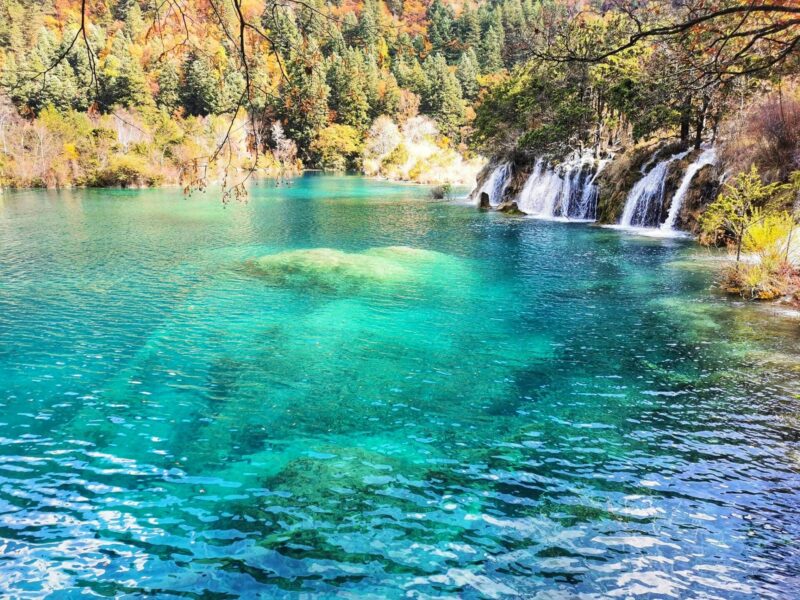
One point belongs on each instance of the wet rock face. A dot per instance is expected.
(621, 175)
(509, 207)
(519, 174)
(702, 192)
(483, 175)
(615, 181)
(515, 182)
(626, 169)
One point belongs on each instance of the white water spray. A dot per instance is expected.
(643, 205)
(496, 184)
(708, 157)
(566, 191)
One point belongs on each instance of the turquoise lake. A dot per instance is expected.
(343, 388)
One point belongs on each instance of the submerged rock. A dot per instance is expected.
(510, 208)
(336, 270)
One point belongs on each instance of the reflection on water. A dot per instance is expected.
(431, 401)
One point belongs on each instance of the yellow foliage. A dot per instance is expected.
(70, 151)
(767, 234)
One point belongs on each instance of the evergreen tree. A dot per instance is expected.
(58, 88)
(368, 25)
(371, 83)
(444, 100)
(515, 32)
(440, 30)
(134, 22)
(395, 7)
(233, 87)
(412, 76)
(201, 91)
(284, 32)
(390, 95)
(122, 9)
(305, 99)
(169, 82)
(348, 98)
(491, 55)
(467, 73)
(469, 28)
(122, 79)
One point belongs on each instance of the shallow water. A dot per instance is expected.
(524, 408)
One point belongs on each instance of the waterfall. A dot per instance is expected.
(643, 205)
(708, 157)
(496, 184)
(590, 194)
(566, 191)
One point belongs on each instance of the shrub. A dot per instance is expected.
(337, 148)
(766, 134)
(756, 281)
(737, 209)
(125, 171)
(396, 158)
(442, 192)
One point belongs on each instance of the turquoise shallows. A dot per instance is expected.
(343, 388)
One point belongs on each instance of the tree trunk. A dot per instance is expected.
(739, 239)
(686, 115)
(701, 122)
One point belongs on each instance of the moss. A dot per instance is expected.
(337, 271)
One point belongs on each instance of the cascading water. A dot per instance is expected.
(708, 157)
(495, 185)
(591, 193)
(643, 205)
(566, 191)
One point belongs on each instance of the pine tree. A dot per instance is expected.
(348, 98)
(412, 76)
(201, 91)
(469, 28)
(389, 97)
(369, 25)
(122, 9)
(395, 7)
(134, 21)
(305, 98)
(371, 83)
(122, 79)
(233, 85)
(58, 88)
(169, 82)
(440, 30)
(491, 55)
(284, 32)
(467, 73)
(515, 32)
(444, 100)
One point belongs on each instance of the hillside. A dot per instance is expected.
(145, 93)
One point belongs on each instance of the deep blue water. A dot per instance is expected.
(343, 388)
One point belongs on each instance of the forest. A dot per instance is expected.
(141, 92)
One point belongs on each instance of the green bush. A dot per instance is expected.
(337, 148)
(125, 171)
(396, 158)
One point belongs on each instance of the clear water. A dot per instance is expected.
(526, 409)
